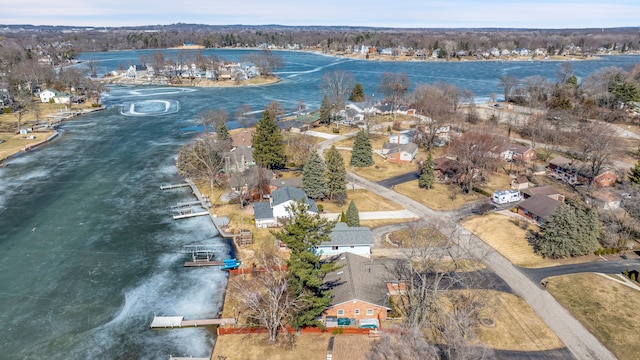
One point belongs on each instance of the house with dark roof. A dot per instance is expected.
(358, 290)
(576, 172)
(515, 152)
(537, 208)
(546, 190)
(272, 213)
(347, 239)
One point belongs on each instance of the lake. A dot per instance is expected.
(88, 249)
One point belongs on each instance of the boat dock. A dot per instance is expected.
(189, 213)
(173, 186)
(170, 322)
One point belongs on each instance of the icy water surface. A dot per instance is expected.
(88, 249)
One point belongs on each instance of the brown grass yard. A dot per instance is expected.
(517, 327)
(15, 143)
(365, 201)
(609, 310)
(380, 170)
(437, 198)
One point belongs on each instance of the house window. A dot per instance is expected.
(369, 312)
(334, 248)
(356, 312)
(340, 312)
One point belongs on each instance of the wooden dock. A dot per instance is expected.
(187, 358)
(189, 214)
(170, 322)
(173, 186)
(200, 263)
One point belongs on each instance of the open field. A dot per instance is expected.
(15, 143)
(609, 310)
(517, 327)
(365, 201)
(441, 197)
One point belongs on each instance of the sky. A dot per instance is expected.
(543, 14)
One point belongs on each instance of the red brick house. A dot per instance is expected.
(576, 172)
(359, 291)
(400, 153)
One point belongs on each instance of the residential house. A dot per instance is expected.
(347, 239)
(515, 152)
(576, 172)
(358, 291)
(403, 137)
(272, 213)
(537, 208)
(47, 95)
(447, 170)
(400, 153)
(546, 190)
(242, 138)
(238, 159)
(58, 97)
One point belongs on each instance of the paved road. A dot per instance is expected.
(582, 344)
(400, 179)
(606, 267)
(576, 337)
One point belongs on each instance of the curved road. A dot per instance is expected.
(576, 337)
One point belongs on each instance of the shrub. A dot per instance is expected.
(337, 331)
(335, 131)
(633, 276)
(320, 207)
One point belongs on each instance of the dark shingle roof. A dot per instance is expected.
(358, 278)
(262, 211)
(342, 234)
(289, 193)
(540, 190)
(540, 205)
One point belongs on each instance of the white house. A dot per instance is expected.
(269, 214)
(347, 239)
(46, 95)
(403, 137)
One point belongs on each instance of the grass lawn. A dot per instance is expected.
(439, 198)
(517, 327)
(377, 140)
(14, 143)
(505, 234)
(609, 310)
(365, 201)
(380, 170)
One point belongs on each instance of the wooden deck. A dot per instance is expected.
(170, 322)
(203, 263)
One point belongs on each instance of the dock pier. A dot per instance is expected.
(170, 322)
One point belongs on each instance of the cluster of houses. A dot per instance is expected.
(225, 71)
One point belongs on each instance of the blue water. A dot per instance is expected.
(88, 250)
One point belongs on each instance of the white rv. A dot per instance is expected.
(506, 196)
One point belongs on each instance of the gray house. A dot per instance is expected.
(270, 214)
(347, 239)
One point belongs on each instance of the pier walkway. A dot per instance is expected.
(169, 322)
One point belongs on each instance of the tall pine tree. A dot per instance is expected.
(357, 93)
(336, 176)
(301, 235)
(325, 111)
(222, 133)
(361, 155)
(314, 182)
(268, 148)
(427, 175)
(352, 216)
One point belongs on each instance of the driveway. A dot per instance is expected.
(400, 179)
(606, 267)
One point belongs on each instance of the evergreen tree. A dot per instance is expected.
(314, 182)
(634, 174)
(427, 175)
(336, 176)
(301, 235)
(357, 93)
(572, 230)
(343, 217)
(325, 111)
(222, 133)
(352, 216)
(361, 155)
(268, 148)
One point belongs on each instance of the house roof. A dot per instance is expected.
(393, 148)
(358, 278)
(262, 211)
(574, 165)
(237, 152)
(540, 205)
(278, 183)
(541, 190)
(242, 138)
(342, 234)
(522, 179)
(290, 193)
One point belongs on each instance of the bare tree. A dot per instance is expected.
(475, 152)
(402, 344)
(394, 86)
(596, 144)
(508, 82)
(275, 108)
(336, 85)
(244, 116)
(266, 299)
(202, 159)
(266, 61)
(433, 103)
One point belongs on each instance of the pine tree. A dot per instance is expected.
(222, 133)
(361, 155)
(343, 217)
(352, 215)
(268, 148)
(314, 182)
(572, 230)
(301, 235)
(357, 93)
(634, 174)
(427, 175)
(325, 111)
(336, 176)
